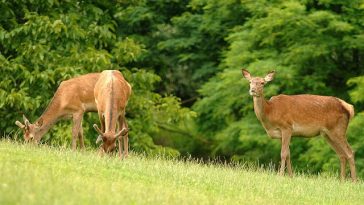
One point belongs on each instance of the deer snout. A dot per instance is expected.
(252, 91)
(28, 138)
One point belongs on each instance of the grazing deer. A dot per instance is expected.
(112, 92)
(284, 116)
(72, 99)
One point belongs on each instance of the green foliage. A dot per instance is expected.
(356, 94)
(194, 43)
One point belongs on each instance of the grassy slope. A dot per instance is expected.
(44, 175)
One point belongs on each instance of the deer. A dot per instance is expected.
(305, 115)
(72, 99)
(111, 93)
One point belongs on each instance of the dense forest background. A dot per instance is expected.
(184, 59)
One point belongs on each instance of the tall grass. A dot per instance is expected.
(45, 175)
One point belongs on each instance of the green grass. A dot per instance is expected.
(45, 175)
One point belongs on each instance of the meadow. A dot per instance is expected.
(42, 174)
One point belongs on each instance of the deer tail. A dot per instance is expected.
(348, 107)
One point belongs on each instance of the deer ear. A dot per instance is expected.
(19, 124)
(40, 122)
(269, 76)
(99, 139)
(246, 74)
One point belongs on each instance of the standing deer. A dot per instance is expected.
(112, 92)
(284, 116)
(72, 99)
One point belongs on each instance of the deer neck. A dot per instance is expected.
(260, 105)
(111, 111)
(111, 117)
(49, 117)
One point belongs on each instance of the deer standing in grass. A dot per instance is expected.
(72, 99)
(284, 116)
(112, 92)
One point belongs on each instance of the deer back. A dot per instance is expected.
(322, 111)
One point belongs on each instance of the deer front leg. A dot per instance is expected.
(77, 119)
(80, 135)
(120, 148)
(123, 124)
(126, 138)
(285, 153)
(289, 166)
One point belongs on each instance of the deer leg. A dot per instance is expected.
(123, 124)
(80, 137)
(334, 141)
(126, 138)
(339, 135)
(126, 144)
(285, 153)
(119, 138)
(349, 154)
(77, 118)
(120, 148)
(289, 166)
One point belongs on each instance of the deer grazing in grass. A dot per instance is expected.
(72, 99)
(284, 116)
(112, 92)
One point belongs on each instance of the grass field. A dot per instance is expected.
(45, 175)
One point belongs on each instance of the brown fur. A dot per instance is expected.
(112, 92)
(284, 116)
(72, 99)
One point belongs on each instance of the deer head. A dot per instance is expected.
(108, 138)
(30, 130)
(257, 83)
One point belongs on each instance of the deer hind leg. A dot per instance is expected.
(349, 154)
(285, 153)
(339, 143)
(335, 146)
(351, 162)
(77, 119)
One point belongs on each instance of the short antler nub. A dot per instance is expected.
(19, 124)
(97, 129)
